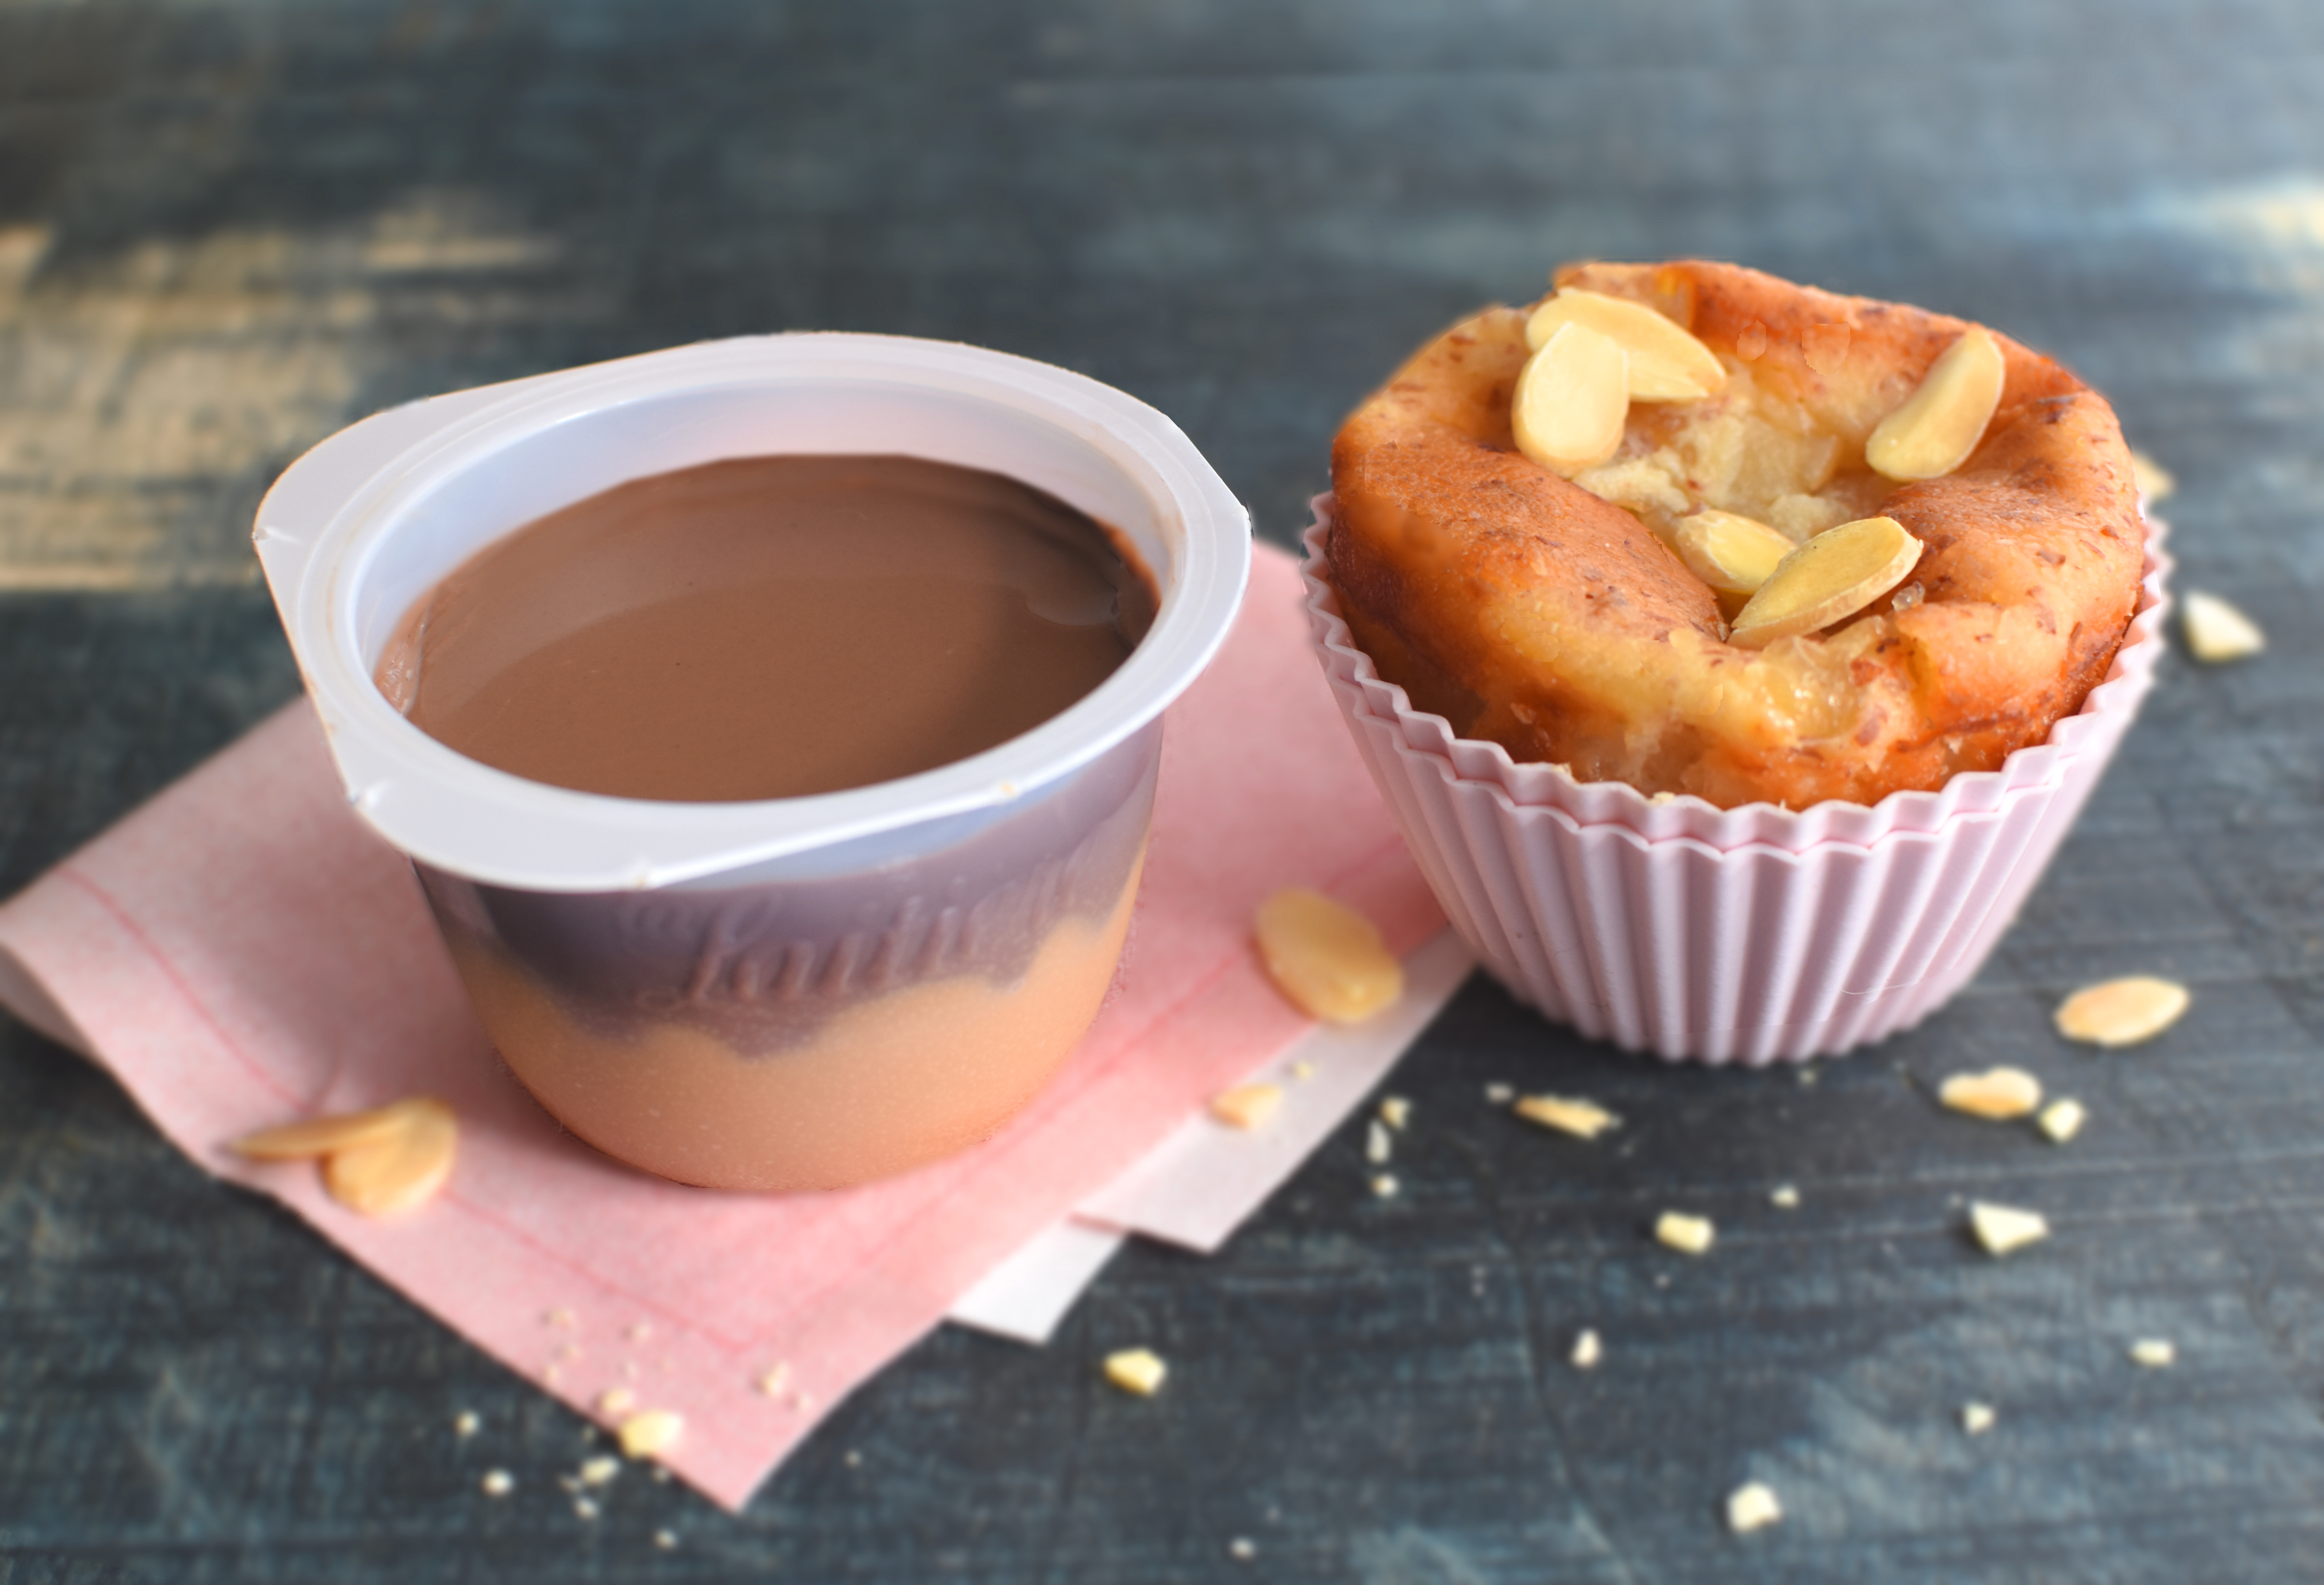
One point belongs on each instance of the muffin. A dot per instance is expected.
(1597, 614)
(1732, 701)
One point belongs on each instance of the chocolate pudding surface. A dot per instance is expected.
(768, 627)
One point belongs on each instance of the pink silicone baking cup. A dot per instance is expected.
(1755, 935)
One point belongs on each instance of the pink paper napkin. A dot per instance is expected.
(242, 951)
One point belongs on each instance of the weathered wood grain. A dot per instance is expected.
(227, 227)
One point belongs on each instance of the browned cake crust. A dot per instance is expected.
(1532, 613)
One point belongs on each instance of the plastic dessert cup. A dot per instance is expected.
(1751, 935)
(800, 993)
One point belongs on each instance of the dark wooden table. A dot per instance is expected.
(228, 227)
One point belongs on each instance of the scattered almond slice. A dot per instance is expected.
(1941, 423)
(320, 1136)
(1732, 553)
(1689, 1235)
(1753, 1507)
(1570, 401)
(1997, 1093)
(2122, 1012)
(2004, 1229)
(2216, 631)
(600, 1470)
(1835, 575)
(1584, 1119)
(1378, 1145)
(1666, 363)
(401, 1171)
(2154, 480)
(651, 1433)
(2061, 1120)
(1136, 1370)
(1977, 1419)
(1396, 1111)
(1587, 1350)
(1326, 957)
(2153, 1352)
(1246, 1106)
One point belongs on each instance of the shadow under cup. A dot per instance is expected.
(799, 993)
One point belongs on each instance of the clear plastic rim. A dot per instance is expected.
(333, 509)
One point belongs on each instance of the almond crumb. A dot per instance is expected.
(2216, 631)
(2004, 1229)
(1753, 1507)
(1689, 1235)
(496, 1483)
(773, 1377)
(651, 1433)
(1303, 1071)
(2122, 1012)
(1939, 424)
(1997, 1093)
(1977, 1419)
(2153, 1352)
(379, 1163)
(466, 1423)
(317, 1136)
(2063, 1119)
(1835, 575)
(583, 1508)
(1136, 1370)
(640, 1331)
(1396, 1111)
(1241, 1549)
(1571, 397)
(560, 1316)
(616, 1400)
(1499, 1094)
(1378, 1146)
(600, 1470)
(1584, 1119)
(1586, 1350)
(1326, 957)
(1784, 1197)
(1385, 1185)
(1246, 1106)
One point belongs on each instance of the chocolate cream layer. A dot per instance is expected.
(768, 627)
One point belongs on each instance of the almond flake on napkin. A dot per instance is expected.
(242, 950)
